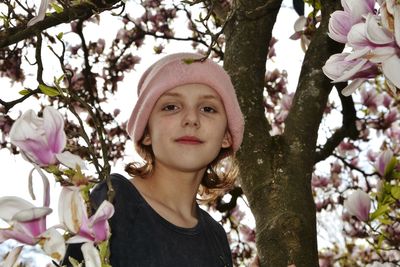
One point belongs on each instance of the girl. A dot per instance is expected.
(186, 125)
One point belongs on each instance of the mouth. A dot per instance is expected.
(189, 140)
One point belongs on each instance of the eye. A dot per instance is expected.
(208, 109)
(170, 107)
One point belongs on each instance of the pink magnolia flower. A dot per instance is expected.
(390, 118)
(383, 162)
(28, 226)
(319, 181)
(374, 42)
(73, 214)
(358, 8)
(340, 69)
(300, 30)
(237, 215)
(42, 140)
(371, 99)
(249, 234)
(354, 12)
(358, 204)
(286, 104)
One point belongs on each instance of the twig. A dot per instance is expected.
(11, 104)
(348, 128)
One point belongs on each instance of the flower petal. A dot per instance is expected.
(91, 255)
(396, 15)
(54, 244)
(9, 206)
(390, 68)
(382, 53)
(357, 37)
(41, 14)
(375, 33)
(46, 185)
(12, 257)
(358, 8)
(72, 208)
(17, 234)
(99, 223)
(358, 53)
(70, 160)
(352, 87)
(340, 24)
(53, 125)
(79, 239)
(300, 23)
(30, 214)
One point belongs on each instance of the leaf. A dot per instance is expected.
(386, 221)
(104, 252)
(390, 167)
(69, 172)
(60, 35)
(396, 175)
(57, 8)
(48, 90)
(188, 60)
(24, 92)
(381, 238)
(60, 78)
(379, 211)
(395, 191)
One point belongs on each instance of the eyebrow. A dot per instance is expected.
(179, 95)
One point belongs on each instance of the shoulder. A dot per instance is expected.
(220, 236)
(213, 224)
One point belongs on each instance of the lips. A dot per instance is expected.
(189, 140)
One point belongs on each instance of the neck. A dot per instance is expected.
(176, 190)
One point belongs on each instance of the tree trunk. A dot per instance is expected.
(276, 170)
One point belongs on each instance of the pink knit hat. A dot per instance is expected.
(174, 70)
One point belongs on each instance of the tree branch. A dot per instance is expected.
(81, 11)
(348, 129)
(11, 104)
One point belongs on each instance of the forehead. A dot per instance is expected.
(193, 90)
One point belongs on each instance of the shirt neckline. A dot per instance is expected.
(182, 230)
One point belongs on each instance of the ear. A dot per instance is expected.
(146, 140)
(227, 140)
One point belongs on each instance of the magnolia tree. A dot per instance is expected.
(303, 171)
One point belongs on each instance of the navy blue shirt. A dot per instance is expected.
(141, 237)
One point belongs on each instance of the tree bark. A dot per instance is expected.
(276, 170)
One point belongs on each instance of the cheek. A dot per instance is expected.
(159, 128)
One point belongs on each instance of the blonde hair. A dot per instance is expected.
(219, 177)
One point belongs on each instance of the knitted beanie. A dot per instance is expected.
(180, 69)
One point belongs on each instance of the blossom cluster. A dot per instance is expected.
(42, 142)
(373, 36)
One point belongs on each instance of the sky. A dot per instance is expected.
(14, 181)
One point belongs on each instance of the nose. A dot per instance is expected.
(191, 119)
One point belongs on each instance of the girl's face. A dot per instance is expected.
(187, 128)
